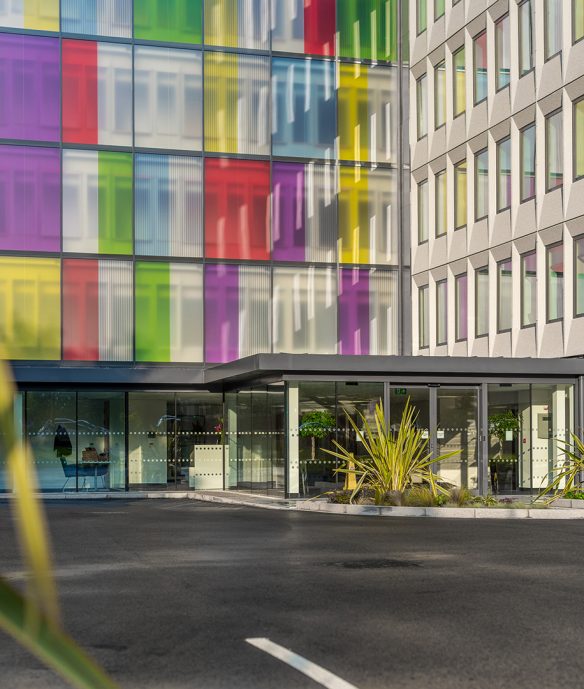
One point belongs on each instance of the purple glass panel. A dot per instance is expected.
(30, 198)
(354, 311)
(29, 87)
(288, 203)
(221, 313)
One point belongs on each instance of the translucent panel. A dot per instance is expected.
(459, 80)
(423, 211)
(97, 17)
(29, 87)
(528, 289)
(42, 15)
(461, 302)
(169, 205)
(169, 315)
(303, 111)
(578, 20)
(503, 51)
(305, 310)
(303, 27)
(354, 332)
(578, 139)
(97, 202)
(579, 274)
(554, 148)
(221, 313)
(525, 37)
(367, 29)
(504, 174)
(482, 301)
(440, 94)
(237, 23)
(304, 212)
(254, 310)
(237, 103)
(30, 209)
(421, 15)
(422, 106)
(367, 216)
(553, 27)
(366, 131)
(439, 7)
(555, 282)
(167, 98)
(237, 209)
(30, 308)
(441, 311)
(480, 67)
(527, 143)
(440, 203)
(383, 312)
(504, 295)
(460, 195)
(97, 310)
(171, 21)
(481, 184)
(423, 317)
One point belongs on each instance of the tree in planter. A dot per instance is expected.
(499, 424)
(315, 425)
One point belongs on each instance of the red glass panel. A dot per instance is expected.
(80, 310)
(319, 27)
(237, 196)
(80, 120)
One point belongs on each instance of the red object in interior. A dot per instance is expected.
(81, 309)
(319, 27)
(237, 221)
(80, 120)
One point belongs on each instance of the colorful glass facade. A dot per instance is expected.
(198, 180)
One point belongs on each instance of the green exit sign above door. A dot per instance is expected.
(400, 391)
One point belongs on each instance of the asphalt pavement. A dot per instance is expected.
(164, 594)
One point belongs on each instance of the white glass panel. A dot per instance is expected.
(80, 201)
(254, 310)
(383, 312)
(114, 87)
(321, 199)
(116, 289)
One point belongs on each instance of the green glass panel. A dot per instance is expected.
(115, 202)
(368, 29)
(173, 21)
(152, 311)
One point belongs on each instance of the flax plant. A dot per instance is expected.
(34, 619)
(392, 462)
(570, 473)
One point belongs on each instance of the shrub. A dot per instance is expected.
(568, 473)
(420, 496)
(460, 496)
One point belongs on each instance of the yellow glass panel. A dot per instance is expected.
(353, 98)
(221, 23)
(42, 15)
(354, 215)
(221, 91)
(30, 307)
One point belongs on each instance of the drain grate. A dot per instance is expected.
(373, 564)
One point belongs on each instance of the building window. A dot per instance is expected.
(459, 81)
(461, 299)
(555, 282)
(552, 27)
(439, 7)
(423, 218)
(422, 100)
(503, 174)
(579, 139)
(528, 289)
(460, 194)
(554, 163)
(481, 184)
(440, 202)
(439, 94)
(503, 52)
(577, 20)
(579, 273)
(525, 38)
(527, 152)
(441, 312)
(480, 67)
(482, 301)
(504, 296)
(423, 317)
(421, 16)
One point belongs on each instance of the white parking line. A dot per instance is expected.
(307, 667)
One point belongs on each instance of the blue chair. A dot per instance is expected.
(84, 471)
